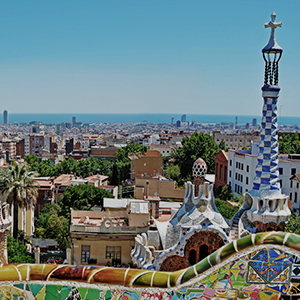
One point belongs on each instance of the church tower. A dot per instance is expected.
(265, 207)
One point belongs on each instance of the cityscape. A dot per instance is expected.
(111, 193)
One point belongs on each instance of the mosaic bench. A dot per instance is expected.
(259, 266)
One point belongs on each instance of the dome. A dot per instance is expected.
(199, 168)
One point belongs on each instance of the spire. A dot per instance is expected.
(272, 53)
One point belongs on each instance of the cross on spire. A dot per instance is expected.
(272, 45)
(272, 23)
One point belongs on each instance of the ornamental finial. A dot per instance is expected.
(272, 46)
(272, 54)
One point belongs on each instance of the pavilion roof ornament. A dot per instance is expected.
(272, 53)
(272, 46)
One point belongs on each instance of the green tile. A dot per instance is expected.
(92, 294)
(52, 293)
(41, 294)
(35, 288)
(19, 286)
(108, 295)
(65, 291)
(82, 292)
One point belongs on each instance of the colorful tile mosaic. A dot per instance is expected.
(262, 266)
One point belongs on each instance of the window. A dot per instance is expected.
(295, 200)
(247, 168)
(247, 180)
(113, 253)
(236, 164)
(241, 189)
(85, 253)
(230, 163)
(297, 185)
(241, 178)
(291, 184)
(221, 172)
(291, 196)
(225, 174)
(280, 183)
(293, 171)
(230, 173)
(242, 166)
(280, 171)
(217, 167)
(235, 176)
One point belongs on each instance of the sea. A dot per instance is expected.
(45, 118)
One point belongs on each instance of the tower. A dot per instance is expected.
(5, 117)
(265, 207)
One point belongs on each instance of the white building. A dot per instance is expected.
(241, 172)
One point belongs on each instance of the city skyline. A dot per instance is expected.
(181, 57)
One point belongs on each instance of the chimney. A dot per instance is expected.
(147, 189)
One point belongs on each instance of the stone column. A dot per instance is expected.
(37, 255)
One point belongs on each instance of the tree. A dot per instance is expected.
(198, 145)
(226, 210)
(17, 252)
(18, 185)
(225, 193)
(173, 172)
(294, 224)
(82, 197)
(289, 144)
(51, 224)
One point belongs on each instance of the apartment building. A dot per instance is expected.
(241, 172)
(235, 141)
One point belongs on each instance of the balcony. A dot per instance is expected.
(108, 230)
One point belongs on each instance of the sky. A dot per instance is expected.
(144, 56)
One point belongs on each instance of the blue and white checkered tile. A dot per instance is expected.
(266, 174)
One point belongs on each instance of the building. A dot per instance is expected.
(150, 186)
(9, 147)
(104, 152)
(235, 141)
(242, 166)
(194, 231)
(99, 237)
(197, 229)
(148, 164)
(5, 117)
(221, 167)
(294, 195)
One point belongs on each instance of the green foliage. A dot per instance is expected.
(198, 145)
(222, 146)
(173, 172)
(225, 209)
(54, 219)
(289, 144)
(225, 193)
(53, 225)
(130, 149)
(17, 252)
(117, 171)
(82, 197)
(294, 224)
(19, 187)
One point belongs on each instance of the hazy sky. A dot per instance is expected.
(144, 56)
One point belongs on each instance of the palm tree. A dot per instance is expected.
(18, 185)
